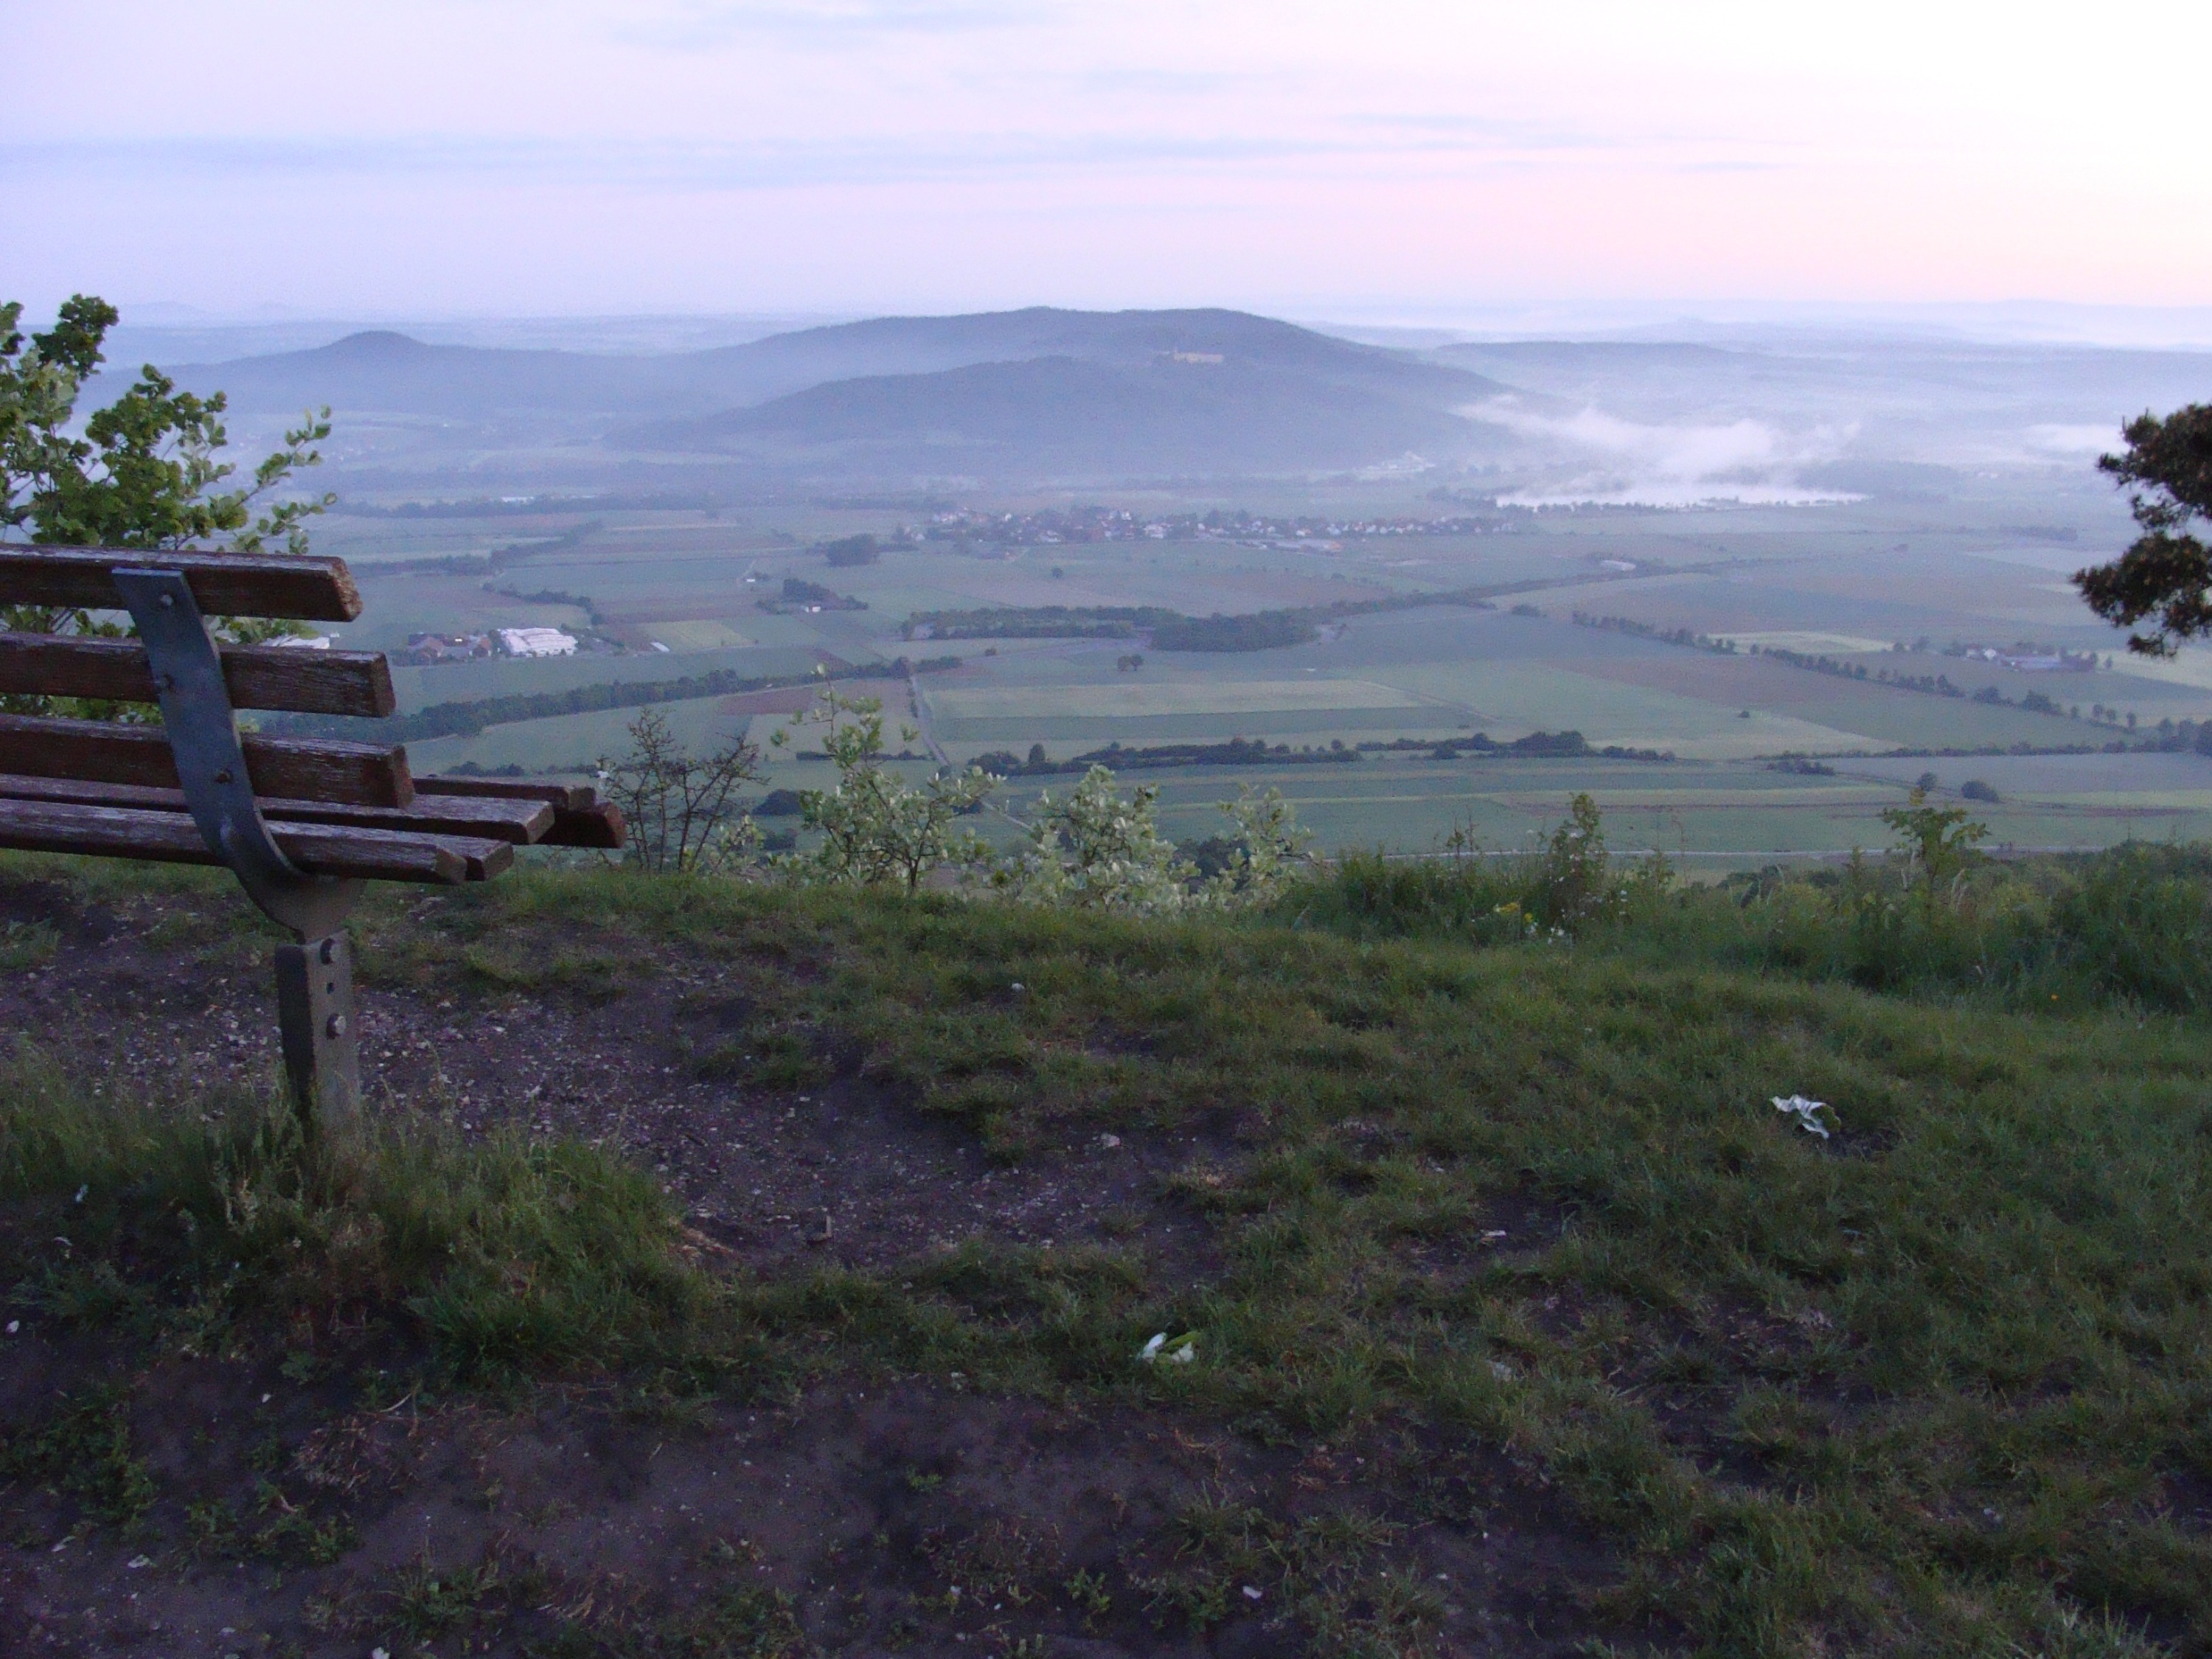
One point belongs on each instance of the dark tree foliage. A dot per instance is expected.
(1170, 630)
(851, 550)
(145, 472)
(2165, 574)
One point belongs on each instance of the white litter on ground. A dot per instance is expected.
(1806, 1112)
(1184, 1352)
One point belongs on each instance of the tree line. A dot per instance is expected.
(466, 718)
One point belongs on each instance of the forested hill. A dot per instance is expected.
(1024, 393)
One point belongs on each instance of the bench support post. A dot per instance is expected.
(322, 1045)
(315, 978)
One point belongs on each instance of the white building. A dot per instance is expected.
(537, 643)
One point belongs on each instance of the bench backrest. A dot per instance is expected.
(301, 822)
(335, 808)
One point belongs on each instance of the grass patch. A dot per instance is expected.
(1937, 1384)
(506, 1255)
(85, 1449)
(2133, 925)
(25, 945)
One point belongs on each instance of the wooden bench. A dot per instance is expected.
(301, 822)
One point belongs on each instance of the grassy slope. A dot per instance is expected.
(1938, 1384)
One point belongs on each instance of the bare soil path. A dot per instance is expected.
(330, 1506)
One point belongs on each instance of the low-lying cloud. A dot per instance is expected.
(2070, 440)
(1606, 461)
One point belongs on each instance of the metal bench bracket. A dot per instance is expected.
(315, 979)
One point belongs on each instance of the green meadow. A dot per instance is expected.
(1870, 587)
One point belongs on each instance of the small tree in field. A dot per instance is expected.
(1938, 841)
(877, 829)
(681, 808)
(1572, 884)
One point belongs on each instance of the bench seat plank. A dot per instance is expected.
(225, 584)
(319, 849)
(580, 817)
(303, 682)
(565, 797)
(291, 769)
(599, 825)
(521, 822)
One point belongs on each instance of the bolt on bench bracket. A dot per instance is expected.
(314, 1011)
(315, 978)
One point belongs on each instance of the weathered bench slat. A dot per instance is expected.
(224, 584)
(521, 822)
(565, 797)
(599, 825)
(292, 768)
(321, 850)
(258, 676)
(580, 817)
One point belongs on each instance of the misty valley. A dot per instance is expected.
(1757, 583)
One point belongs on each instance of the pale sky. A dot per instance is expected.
(1385, 159)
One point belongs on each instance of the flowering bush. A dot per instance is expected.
(1091, 849)
(1094, 850)
(878, 830)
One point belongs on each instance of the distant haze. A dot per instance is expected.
(1054, 397)
(1397, 161)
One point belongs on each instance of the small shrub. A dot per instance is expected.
(1571, 889)
(877, 830)
(1936, 841)
(1095, 851)
(1092, 850)
(681, 808)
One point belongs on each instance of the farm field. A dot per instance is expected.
(1900, 586)
(1720, 815)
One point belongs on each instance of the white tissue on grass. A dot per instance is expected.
(1806, 1112)
(1181, 1354)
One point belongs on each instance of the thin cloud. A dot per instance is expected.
(690, 28)
(712, 165)
(2054, 438)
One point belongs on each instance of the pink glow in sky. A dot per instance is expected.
(1391, 158)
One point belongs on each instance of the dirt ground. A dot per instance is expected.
(917, 1517)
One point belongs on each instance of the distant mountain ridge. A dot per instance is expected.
(1041, 391)
(1064, 417)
